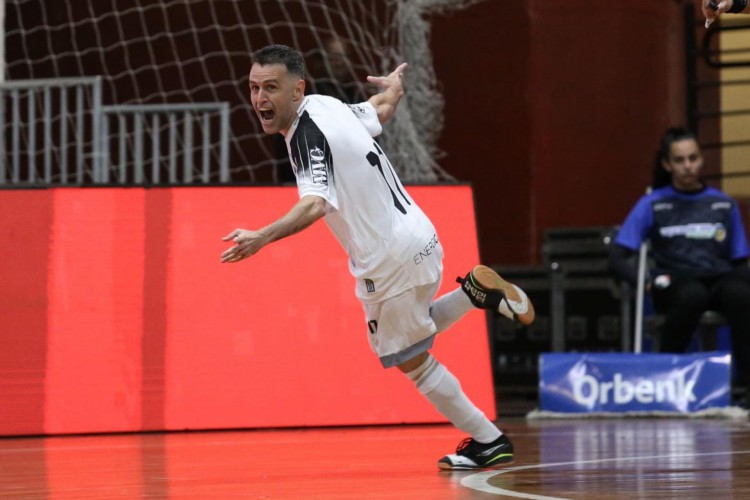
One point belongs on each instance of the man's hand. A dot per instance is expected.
(247, 243)
(392, 88)
(714, 8)
(393, 81)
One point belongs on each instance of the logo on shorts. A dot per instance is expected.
(370, 286)
(372, 325)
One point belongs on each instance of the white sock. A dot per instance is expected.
(449, 308)
(443, 390)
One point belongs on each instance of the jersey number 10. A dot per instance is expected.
(374, 159)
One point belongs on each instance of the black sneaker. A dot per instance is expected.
(472, 454)
(487, 290)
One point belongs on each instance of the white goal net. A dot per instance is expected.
(150, 52)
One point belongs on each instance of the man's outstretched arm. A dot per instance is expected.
(392, 89)
(247, 243)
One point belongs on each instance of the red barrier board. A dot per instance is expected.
(118, 316)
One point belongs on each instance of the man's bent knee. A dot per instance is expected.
(414, 362)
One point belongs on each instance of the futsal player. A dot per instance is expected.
(394, 251)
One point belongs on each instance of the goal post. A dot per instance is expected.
(198, 51)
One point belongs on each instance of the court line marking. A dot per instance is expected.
(479, 480)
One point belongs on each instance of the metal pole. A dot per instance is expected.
(187, 155)
(79, 140)
(104, 144)
(2, 41)
(640, 293)
(96, 139)
(122, 135)
(224, 161)
(172, 148)
(206, 134)
(64, 135)
(155, 149)
(47, 135)
(31, 130)
(138, 147)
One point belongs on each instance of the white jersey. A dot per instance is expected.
(391, 244)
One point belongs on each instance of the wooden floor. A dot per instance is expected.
(583, 458)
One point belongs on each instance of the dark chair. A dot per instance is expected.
(578, 259)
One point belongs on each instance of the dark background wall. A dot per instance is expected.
(554, 110)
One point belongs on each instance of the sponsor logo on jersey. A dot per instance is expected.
(696, 231)
(588, 390)
(358, 108)
(318, 166)
(370, 285)
(721, 205)
(661, 206)
(428, 249)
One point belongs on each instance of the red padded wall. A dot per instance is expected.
(120, 317)
(95, 294)
(25, 219)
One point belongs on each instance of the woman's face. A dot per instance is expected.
(685, 163)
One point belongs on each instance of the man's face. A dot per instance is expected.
(275, 95)
(685, 163)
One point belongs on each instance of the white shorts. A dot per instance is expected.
(401, 327)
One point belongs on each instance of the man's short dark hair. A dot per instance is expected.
(281, 54)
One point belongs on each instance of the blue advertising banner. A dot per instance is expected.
(625, 382)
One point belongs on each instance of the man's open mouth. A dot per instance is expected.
(266, 114)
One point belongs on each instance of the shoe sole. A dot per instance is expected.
(487, 278)
(502, 463)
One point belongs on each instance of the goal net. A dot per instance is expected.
(197, 51)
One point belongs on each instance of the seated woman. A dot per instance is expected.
(699, 247)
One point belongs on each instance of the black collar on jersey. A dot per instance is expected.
(693, 191)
